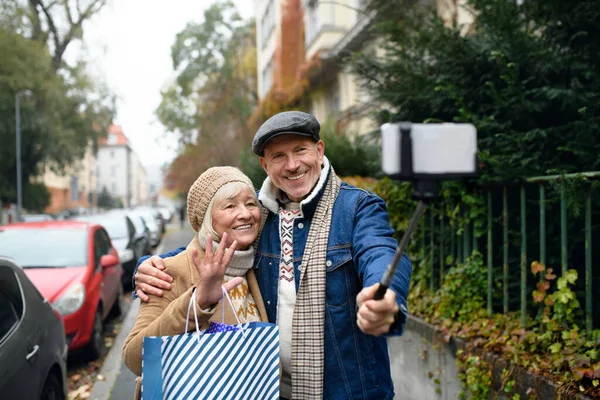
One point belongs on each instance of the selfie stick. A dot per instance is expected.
(391, 268)
(424, 190)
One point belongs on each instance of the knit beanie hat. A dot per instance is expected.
(205, 187)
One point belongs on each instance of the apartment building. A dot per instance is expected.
(75, 188)
(329, 30)
(119, 170)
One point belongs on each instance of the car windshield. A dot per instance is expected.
(45, 248)
(115, 226)
(138, 223)
(148, 218)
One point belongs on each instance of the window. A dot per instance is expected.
(101, 245)
(267, 79)
(113, 171)
(113, 188)
(112, 154)
(311, 21)
(67, 246)
(112, 138)
(130, 228)
(333, 99)
(74, 187)
(11, 302)
(267, 24)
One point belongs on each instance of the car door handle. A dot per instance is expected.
(32, 353)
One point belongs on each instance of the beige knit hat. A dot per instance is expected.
(205, 187)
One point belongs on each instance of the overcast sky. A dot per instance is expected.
(129, 47)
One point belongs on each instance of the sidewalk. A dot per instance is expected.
(119, 381)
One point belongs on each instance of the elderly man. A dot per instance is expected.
(322, 251)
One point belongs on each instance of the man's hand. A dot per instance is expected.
(375, 317)
(150, 278)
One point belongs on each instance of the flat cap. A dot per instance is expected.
(287, 122)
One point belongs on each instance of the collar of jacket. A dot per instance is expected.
(269, 193)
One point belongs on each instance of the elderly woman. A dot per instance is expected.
(223, 209)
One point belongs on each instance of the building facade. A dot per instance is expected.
(329, 30)
(73, 189)
(119, 170)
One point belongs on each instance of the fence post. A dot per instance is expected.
(423, 233)
(441, 244)
(523, 258)
(588, 260)
(505, 249)
(466, 238)
(489, 253)
(452, 237)
(542, 227)
(563, 228)
(431, 250)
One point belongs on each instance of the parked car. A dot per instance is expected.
(151, 222)
(124, 238)
(162, 223)
(74, 265)
(165, 212)
(33, 349)
(141, 230)
(36, 217)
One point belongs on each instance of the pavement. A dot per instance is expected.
(119, 381)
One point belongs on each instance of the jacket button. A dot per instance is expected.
(300, 225)
(268, 302)
(328, 263)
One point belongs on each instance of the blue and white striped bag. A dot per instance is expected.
(222, 362)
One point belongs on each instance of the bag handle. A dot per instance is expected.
(193, 302)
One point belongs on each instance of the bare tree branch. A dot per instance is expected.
(68, 11)
(36, 32)
(51, 26)
(75, 26)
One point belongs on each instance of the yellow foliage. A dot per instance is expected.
(367, 183)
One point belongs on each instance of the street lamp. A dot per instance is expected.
(18, 123)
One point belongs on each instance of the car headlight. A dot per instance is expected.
(126, 255)
(71, 301)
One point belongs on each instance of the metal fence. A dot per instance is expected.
(443, 244)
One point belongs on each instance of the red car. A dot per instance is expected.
(76, 268)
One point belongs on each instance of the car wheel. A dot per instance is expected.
(52, 390)
(96, 345)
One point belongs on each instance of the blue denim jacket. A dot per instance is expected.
(360, 247)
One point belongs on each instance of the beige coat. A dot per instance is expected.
(166, 315)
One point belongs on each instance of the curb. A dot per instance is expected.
(102, 389)
(111, 367)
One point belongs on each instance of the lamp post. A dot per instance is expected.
(18, 150)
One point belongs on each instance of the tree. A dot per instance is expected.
(526, 75)
(214, 93)
(67, 110)
(105, 200)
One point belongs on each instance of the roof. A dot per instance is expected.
(115, 137)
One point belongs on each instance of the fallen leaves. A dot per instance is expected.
(83, 373)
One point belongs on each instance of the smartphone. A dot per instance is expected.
(437, 151)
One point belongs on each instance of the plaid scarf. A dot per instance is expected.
(308, 324)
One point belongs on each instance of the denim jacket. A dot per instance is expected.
(360, 247)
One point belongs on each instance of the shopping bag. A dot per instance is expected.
(223, 362)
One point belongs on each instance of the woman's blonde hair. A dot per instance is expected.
(227, 191)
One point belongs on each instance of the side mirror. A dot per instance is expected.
(108, 260)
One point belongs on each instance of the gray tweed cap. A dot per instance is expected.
(287, 122)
